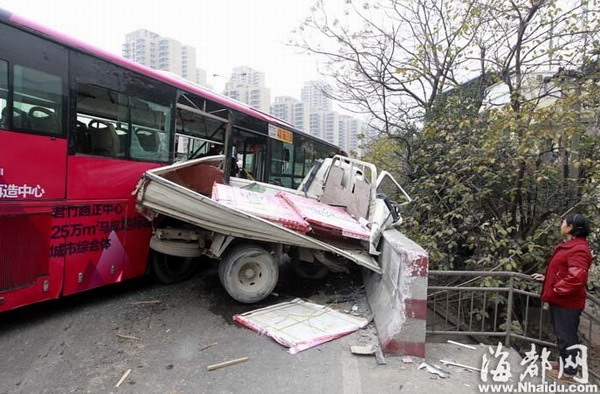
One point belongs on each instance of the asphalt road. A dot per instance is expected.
(71, 345)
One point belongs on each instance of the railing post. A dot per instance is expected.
(509, 307)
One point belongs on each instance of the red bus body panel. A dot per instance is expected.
(78, 230)
(33, 167)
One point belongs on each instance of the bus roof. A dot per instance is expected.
(164, 77)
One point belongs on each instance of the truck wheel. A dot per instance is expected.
(248, 273)
(171, 269)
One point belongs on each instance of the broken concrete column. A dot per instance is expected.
(398, 297)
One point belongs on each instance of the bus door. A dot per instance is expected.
(33, 155)
(282, 156)
(250, 151)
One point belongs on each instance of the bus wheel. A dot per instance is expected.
(312, 270)
(249, 273)
(309, 270)
(169, 269)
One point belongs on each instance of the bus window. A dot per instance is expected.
(3, 95)
(196, 134)
(282, 154)
(37, 105)
(299, 158)
(102, 121)
(151, 130)
(251, 153)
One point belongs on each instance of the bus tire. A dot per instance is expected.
(248, 273)
(175, 248)
(309, 270)
(169, 269)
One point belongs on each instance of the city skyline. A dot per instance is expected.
(225, 34)
(313, 113)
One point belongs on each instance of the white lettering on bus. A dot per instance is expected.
(20, 191)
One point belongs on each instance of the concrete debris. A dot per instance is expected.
(379, 356)
(227, 363)
(462, 344)
(433, 370)
(363, 350)
(125, 375)
(407, 360)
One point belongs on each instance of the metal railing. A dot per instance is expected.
(494, 304)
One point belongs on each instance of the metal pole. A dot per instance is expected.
(227, 151)
(509, 308)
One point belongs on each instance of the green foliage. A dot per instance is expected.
(491, 174)
(489, 188)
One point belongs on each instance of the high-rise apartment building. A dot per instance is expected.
(163, 53)
(314, 116)
(248, 86)
(313, 96)
(188, 63)
(344, 131)
(350, 130)
(325, 125)
(291, 110)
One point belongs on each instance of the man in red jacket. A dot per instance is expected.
(564, 287)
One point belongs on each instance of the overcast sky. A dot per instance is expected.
(225, 33)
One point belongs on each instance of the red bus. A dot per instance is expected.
(78, 127)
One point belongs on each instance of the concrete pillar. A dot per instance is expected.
(398, 297)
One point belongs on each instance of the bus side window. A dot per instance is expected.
(102, 122)
(38, 98)
(3, 94)
(151, 130)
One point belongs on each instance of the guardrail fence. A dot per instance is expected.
(487, 304)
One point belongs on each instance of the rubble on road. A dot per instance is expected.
(434, 369)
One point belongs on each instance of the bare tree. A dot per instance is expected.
(392, 59)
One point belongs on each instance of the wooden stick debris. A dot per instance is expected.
(447, 362)
(207, 346)
(227, 363)
(145, 302)
(125, 336)
(125, 375)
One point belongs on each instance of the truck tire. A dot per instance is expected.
(248, 273)
(169, 269)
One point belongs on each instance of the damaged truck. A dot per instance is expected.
(335, 217)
